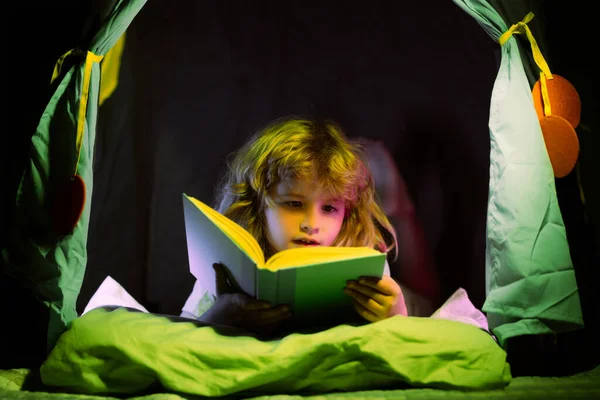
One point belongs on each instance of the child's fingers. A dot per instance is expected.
(365, 312)
(385, 284)
(221, 280)
(270, 315)
(256, 305)
(368, 292)
(367, 301)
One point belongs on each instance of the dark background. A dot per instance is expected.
(198, 77)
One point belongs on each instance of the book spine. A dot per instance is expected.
(266, 285)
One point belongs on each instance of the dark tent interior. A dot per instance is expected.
(198, 78)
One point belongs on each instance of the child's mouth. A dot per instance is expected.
(305, 242)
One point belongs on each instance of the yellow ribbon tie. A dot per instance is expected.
(90, 59)
(58, 65)
(520, 28)
(545, 96)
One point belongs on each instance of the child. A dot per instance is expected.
(296, 183)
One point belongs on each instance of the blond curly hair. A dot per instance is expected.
(294, 147)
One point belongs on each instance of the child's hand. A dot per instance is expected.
(234, 308)
(376, 299)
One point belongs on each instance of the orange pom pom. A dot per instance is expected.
(564, 99)
(562, 144)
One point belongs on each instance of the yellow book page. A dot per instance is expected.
(302, 256)
(235, 232)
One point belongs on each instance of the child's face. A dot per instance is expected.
(302, 215)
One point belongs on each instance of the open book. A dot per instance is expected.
(309, 279)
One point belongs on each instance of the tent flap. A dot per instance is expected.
(530, 281)
(51, 265)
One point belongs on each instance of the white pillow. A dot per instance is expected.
(111, 293)
(458, 307)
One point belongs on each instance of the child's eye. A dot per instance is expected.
(294, 204)
(329, 209)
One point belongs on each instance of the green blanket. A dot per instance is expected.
(128, 352)
(581, 386)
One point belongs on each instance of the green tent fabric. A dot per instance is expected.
(50, 265)
(127, 352)
(530, 282)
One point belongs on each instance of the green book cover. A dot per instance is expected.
(309, 279)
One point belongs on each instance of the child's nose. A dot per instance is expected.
(309, 229)
(310, 222)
